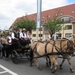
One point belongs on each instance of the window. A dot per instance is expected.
(68, 27)
(34, 35)
(59, 34)
(73, 11)
(61, 13)
(67, 35)
(68, 19)
(43, 17)
(48, 15)
(56, 14)
(40, 35)
(62, 20)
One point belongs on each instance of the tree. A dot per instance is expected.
(26, 23)
(53, 25)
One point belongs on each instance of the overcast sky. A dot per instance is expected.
(12, 9)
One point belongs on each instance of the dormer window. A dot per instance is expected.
(56, 14)
(73, 11)
(48, 15)
(43, 17)
(61, 13)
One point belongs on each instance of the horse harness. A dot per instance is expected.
(59, 50)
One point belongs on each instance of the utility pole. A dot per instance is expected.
(38, 23)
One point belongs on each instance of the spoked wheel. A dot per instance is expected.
(14, 57)
(28, 55)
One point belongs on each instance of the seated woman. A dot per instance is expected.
(5, 48)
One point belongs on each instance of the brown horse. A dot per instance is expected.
(69, 56)
(33, 48)
(58, 46)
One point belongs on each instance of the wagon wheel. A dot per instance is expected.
(14, 57)
(28, 55)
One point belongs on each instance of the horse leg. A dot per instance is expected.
(55, 65)
(48, 62)
(52, 66)
(31, 57)
(69, 61)
(62, 63)
(36, 62)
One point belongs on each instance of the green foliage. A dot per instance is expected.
(26, 23)
(53, 25)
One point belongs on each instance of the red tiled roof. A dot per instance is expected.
(66, 10)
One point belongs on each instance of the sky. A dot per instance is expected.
(10, 10)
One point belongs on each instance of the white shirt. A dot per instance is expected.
(12, 35)
(24, 35)
(9, 39)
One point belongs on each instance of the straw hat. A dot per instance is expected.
(23, 29)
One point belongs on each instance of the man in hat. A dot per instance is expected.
(15, 37)
(25, 37)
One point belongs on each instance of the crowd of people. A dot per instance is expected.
(19, 38)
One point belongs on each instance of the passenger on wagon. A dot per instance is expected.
(25, 37)
(15, 37)
(9, 39)
(5, 49)
(1, 46)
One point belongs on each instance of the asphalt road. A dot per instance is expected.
(7, 67)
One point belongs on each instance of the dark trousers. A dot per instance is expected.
(25, 42)
(16, 43)
(6, 50)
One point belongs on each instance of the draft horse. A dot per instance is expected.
(51, 49)
(68, 56)
(33, 47)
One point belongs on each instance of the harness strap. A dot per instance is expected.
(46, 51)
(46, 47)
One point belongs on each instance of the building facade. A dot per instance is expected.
(66, 14)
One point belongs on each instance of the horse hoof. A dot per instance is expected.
(39, 68)
(53, 71)
(61, 68)
(47, 65)
(72, 71)
(30, 64)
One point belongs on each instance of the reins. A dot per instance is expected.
(59, 50)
